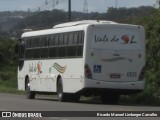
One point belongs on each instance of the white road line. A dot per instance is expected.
(58, 118)
(3, 110)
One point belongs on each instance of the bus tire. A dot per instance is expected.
(62, 97)
(30, 94)
(110, 99)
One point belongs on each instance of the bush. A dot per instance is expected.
(8, 77)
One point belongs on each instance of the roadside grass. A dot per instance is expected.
(9, 86)
(4, 89)
(8, 80)
(140, 99)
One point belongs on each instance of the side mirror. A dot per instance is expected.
(20, 39)
(17, 45)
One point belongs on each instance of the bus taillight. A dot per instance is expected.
(87, 71)
(142, 74)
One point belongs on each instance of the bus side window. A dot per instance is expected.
(80, 44)
(28, 53)
(36, 53)
(52, 41)
(71, 48)
(44, 41)
(71, 51)
(81, 38)
(70, 40)
(36, 42)
(53, 49)
(61, 39)
(80, 50)
(65, 39)
(44, 52)
(56, 40)
(35, 47)
(53, 52)
(75, 38)
(44, 47)
(62, 51)
(28, 48)
(28, 43)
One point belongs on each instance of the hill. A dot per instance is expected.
(12, 23)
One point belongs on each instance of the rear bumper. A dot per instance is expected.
(123, 88)
(100, 91)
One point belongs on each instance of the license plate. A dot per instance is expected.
(115, 76)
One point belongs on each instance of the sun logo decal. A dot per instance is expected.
(128, 40)
(125, 38)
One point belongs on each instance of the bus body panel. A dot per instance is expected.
(115, 54)
(21, 79)
(124, 67)
(43, 74)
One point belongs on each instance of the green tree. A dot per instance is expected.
(152, 27)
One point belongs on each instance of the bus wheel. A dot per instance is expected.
(110, 99)
(62, 97)
(30, 94)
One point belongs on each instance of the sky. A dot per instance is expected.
(77, 5)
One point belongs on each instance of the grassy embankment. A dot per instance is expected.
(8, 80)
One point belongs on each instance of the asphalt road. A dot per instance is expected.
(10, 102)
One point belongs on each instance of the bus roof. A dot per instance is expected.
(66, 27)
(77, 25)
(51, 31)
(83, 22)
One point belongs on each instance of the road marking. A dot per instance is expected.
(58, 118)
(3, 110)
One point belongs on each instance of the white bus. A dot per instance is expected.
(83, 58)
